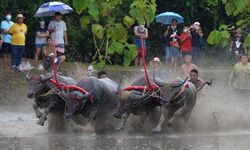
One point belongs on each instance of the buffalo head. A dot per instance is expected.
(169, 91)
(74, 100)
(37, 85)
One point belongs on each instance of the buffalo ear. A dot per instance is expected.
(157, 82)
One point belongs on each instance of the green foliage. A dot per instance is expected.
(129, 54)
(234, 8)
(128, 21)
(108, 24)
(80, 5)
(98, 30)
(143, 11)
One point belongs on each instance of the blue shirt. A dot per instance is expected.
(6, 26)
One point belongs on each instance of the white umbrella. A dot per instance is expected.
(49, 9)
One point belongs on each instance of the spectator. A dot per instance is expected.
(140, 32)
(240, 76)
(172, 46)
(42, 33)
(58, 30)
(194, 78)
(48, 55)
(103, 77)
(90, 71)
(18, 31)
(188, 66)
(197, 38)
(236, 46)
(185, 41)
(6, 38)
(157, 68)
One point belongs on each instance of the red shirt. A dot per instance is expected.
(187, 44)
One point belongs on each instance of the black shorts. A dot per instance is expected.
(6, 48)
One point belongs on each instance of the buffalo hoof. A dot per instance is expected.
(39, 115)
(41, 121)
(157, 129)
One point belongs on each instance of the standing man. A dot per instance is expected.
(197, 36)
(18, 31)
(58, 30)
(141, 32)
(188, 66)
(172, 47)
(6, 46)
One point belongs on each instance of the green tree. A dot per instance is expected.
(110, 28)
(239, 11)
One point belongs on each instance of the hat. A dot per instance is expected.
(156, 59)
(58, 13)
(20, 16)
(197, 23)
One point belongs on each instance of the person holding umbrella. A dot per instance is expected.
(58, 30)
(172, 47)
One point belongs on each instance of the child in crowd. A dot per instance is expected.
(48, 55)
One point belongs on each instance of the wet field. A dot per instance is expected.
(220, 121)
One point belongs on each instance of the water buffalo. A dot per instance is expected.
(98, 103)
(178, 99)
(45, 98)
(137, 103)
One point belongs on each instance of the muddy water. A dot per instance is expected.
(220, 121)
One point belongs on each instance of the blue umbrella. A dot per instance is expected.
(49, 8)
(166, 17)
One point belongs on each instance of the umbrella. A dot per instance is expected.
(166, 17)
(49, 8)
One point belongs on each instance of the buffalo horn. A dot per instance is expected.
(157, 82)
(134, 96)
(175, 86)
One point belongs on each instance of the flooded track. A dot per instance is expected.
(220, 121)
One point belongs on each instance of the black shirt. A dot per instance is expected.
(170, 32)
(195, 38)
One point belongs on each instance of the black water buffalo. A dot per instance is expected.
(137, 103)
(178, 99)
(45, 98)
(98, 103)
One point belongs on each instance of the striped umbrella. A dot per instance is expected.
(49, 8)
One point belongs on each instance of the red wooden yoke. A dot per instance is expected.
(61, 85)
